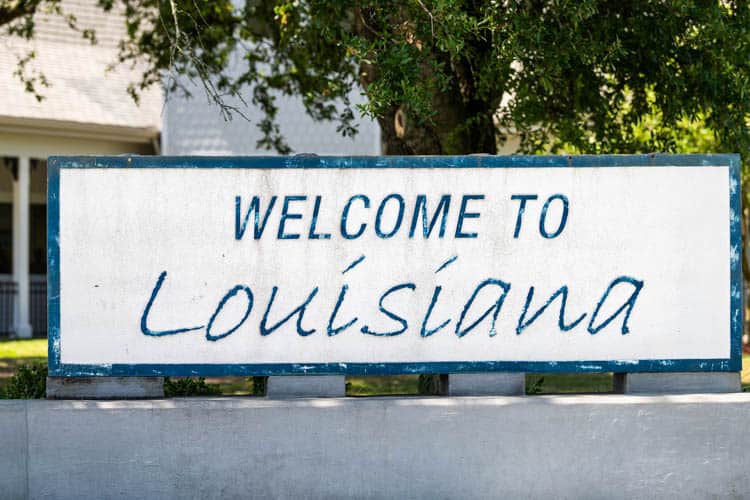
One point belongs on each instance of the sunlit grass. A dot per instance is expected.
(15, 353)
(233, 386)
(23, 349)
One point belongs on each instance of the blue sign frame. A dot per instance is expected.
(57, 368)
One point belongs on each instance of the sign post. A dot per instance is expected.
(278, 266)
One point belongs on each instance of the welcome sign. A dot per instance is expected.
(292, 265)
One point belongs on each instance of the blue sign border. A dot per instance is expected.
(733, 363)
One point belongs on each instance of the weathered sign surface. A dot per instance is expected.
(179, 266)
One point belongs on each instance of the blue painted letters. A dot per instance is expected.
(345, 216)
(463, 214)
(524, 320)
(258, 227)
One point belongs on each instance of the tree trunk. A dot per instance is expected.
(402, 135)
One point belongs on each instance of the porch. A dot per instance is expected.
(23, 242)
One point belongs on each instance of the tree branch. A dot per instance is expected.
(10, 10)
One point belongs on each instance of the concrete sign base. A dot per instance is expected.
(677, 383)
(464, 384)
(487, 384)
(105, 387)
(306, 386)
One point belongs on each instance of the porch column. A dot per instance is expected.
(21, 246)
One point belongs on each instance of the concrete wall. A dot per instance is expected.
(609, 446)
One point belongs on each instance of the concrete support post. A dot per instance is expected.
(105, 387)
(21, 247)
(306, 386)
(677, 383)
(487, 384)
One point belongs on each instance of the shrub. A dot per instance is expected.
(29, 382)
(189, 387)
(259, 386)
(536, 387)
(433, 384)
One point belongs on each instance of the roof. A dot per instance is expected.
(195, 127)
(81, 90)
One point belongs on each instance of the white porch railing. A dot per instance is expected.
(37, 305)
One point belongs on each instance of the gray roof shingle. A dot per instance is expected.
(81, 89)
(193, 126)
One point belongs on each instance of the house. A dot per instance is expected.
(195, 127)
(86, 110)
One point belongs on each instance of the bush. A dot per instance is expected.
(259, 386)
(536, 387)
(189, 387)
(29, 382)
(433, 384)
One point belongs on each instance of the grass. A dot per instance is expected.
(23, 349)
(568, 384)
(382, 385)
(14, 353)
(233, 386)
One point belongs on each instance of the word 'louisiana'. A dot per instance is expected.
(276, 313)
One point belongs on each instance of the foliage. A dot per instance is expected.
(536, 386)
(29, 382)
(432, 384)
(426, 384)
(458, 76)
(186, 387)
(259, 386)
(18, 17)
(451, 76)
(382, 385)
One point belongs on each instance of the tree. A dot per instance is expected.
(455, 77)
(459, 76)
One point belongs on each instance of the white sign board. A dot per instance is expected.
(180, 266)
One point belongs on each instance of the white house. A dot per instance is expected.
(194, 127)
(86, 110)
